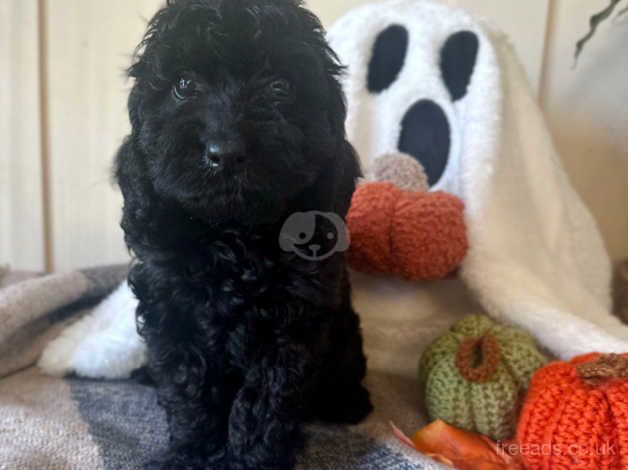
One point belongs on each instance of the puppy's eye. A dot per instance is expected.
(185, 87)
(281, 89)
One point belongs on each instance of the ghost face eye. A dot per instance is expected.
(185, 87)
(388, 57)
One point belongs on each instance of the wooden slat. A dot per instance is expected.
(89, 46)
(21, 213)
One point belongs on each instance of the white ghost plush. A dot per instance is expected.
(431, 81)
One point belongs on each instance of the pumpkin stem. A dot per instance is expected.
(477, 358)
(607, 366)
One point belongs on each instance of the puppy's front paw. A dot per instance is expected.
(349, 407)
(358, 406)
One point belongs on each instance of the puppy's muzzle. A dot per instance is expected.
(221, 153)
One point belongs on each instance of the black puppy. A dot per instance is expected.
(238, 123)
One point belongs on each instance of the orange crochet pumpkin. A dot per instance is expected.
(576, 415)
(415, 235)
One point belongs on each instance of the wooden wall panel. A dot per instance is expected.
(89, 46)
(586, 108)
(21, 213)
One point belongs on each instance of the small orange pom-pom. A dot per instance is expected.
(418, 236)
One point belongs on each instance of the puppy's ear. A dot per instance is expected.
(153, 226)
(144, 214)
(339, 185)
(135, 108)
(128, 169)
(333, 189)
(336, 106)
(347, 165)
(348, 173)
(314, 35)
(131, 178)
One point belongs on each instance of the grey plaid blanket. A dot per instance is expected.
(72, 423)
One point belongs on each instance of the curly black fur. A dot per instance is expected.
(245, 340)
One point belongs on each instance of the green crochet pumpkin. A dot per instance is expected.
(474, 377)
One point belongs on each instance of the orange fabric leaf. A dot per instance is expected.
(460, 449)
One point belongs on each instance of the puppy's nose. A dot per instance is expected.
(225, 152)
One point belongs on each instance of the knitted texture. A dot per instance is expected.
(417, 236)
(488, 347)
(475, 376)
(401, 169)
(578, 412)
